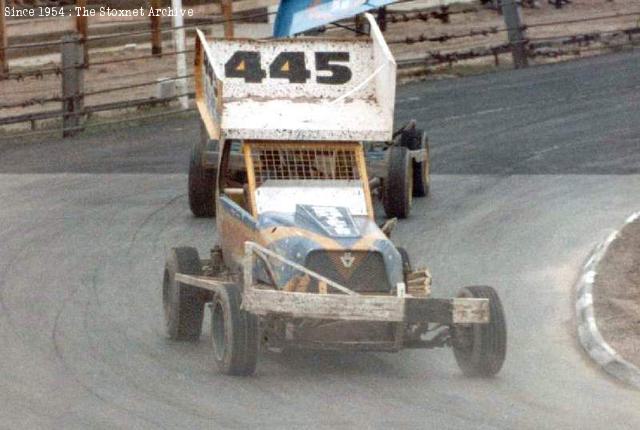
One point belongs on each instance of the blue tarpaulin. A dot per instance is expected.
(296, 16)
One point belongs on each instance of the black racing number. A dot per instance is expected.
(245, 64)
(325, 62)
(291, 66)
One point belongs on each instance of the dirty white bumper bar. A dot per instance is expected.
(349, 305)
(365, 308)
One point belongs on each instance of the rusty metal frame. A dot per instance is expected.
(251, 177)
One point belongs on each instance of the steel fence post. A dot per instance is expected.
(82, 27)
(72, 84)
(515, 32)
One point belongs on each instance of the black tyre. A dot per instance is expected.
(234, 334)
(202, 181)
(422, 171)
(480, 349)
(397, 192)
(183, 304)
(412, 139)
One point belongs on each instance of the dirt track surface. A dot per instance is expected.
(617, 294)
(532, 168)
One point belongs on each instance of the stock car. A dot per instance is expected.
(300, 261)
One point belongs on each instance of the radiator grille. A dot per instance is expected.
(360, 271)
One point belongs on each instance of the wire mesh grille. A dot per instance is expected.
(292, 162)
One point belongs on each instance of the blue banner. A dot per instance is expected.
(296, 16)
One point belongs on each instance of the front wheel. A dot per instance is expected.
(234, 334)
(480, 349)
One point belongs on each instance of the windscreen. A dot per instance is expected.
(284, 196)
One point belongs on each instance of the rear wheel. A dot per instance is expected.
(397, 193)
(234, 334)
(183, 305)
(480, 349)
(413, 139)
(202, 179)
(422, 170)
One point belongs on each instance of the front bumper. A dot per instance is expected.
(350, 306)
(409, 310)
